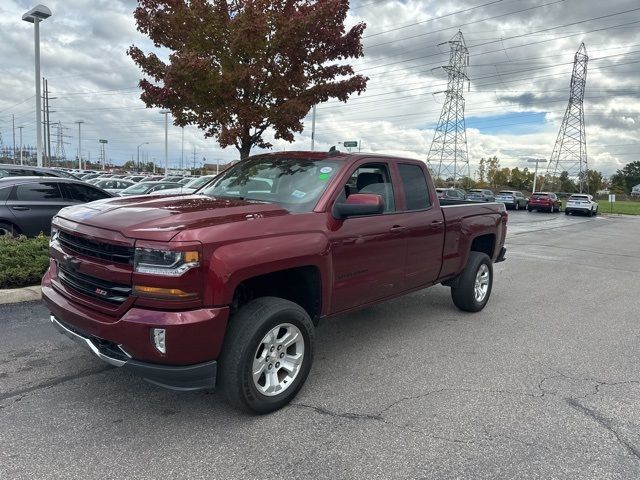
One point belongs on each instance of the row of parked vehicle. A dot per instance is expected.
(31, 196)
(516, 200)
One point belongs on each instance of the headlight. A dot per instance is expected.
(165, 262)
(54, 236)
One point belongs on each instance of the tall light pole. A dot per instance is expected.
(313, 128)
(35, 16)
(20, 128)
(138, 151)
(166, 140)
(535, 174)
(80, 122)
(182, 152)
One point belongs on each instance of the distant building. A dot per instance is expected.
(635, 191)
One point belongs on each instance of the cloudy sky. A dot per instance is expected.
(521, 54)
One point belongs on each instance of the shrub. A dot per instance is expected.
(23, 260)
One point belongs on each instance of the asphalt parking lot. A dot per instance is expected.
(543, 383)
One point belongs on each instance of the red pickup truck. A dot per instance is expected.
(224, 287)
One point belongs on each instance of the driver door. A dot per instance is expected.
(368, 251)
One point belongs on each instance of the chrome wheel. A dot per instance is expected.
(278, 359)
(482, 283)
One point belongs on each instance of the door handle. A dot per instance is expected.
(397, 228)
(435, 223)
(20, 208)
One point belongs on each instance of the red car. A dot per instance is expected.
(225, 287)
(549, 202)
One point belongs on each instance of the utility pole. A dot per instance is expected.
(449, 146)
(182, 152)
(313, 128)
(194, 158)
(570, 151)
(44, 123)
(80, 122)
(20, 128)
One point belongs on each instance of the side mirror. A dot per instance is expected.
(358, 204)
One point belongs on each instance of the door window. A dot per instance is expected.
(416, 192)
(37, 192)
(83, 193)
(371, 178)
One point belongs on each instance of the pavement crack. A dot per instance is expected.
(51, 383)
(347, 415)
(605, 423)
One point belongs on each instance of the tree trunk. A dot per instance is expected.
(245, 148)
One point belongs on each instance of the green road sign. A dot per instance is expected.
(352, 144)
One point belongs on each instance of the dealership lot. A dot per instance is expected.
(544, 382)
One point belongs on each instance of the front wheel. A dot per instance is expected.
(268, 352)
(473, 287)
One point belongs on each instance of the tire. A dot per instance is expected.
(566, 212)
(7, 228)
(551, 209)
(464, 293)
(590, 213)
(516, 206)
(528, 208)
(244, 345)
(595, 212)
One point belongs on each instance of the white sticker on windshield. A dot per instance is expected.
(326, 170)
(298, 194)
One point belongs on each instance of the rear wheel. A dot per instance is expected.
(590, 213)
(528, 208)
(517, 206)
(7, 228)
(551, 209)
(474, 284)
(268, 352)
(566, 212)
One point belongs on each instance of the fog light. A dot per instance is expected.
(158, 338)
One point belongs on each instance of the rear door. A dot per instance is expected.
(368, 252)
(424, 224)
(34, 204)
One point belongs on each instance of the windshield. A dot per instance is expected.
(137, 188)
(579, 197)
(506, 193)
(540, 195)
(293, 183)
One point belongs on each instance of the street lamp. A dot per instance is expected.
(166, 140)
(535, 174)
(138, 151)
(35, 16)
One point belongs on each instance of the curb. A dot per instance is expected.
(18, 295)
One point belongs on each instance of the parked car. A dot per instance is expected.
(512, 199)
(190, 187)
(9, 170)
(451, 193)
(27, 204)
(581, 203)
(152, 178)
(134, 178)
(113, 185)
(544, 201)
(480, 195)
(227, 288)
(145, 188)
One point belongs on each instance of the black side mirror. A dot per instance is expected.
(359, 204)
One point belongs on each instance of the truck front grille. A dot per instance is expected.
(94, 287)
(96, 249)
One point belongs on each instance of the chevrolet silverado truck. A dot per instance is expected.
(224, 287)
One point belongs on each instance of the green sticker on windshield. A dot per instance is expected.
(324, 176)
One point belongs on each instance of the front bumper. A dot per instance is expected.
(190, 377)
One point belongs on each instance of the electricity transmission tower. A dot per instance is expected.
(60, 154)
(448, 153)
(570, 151)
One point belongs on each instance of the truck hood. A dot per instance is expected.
(160, 218)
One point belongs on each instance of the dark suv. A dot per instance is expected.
(27, 204)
